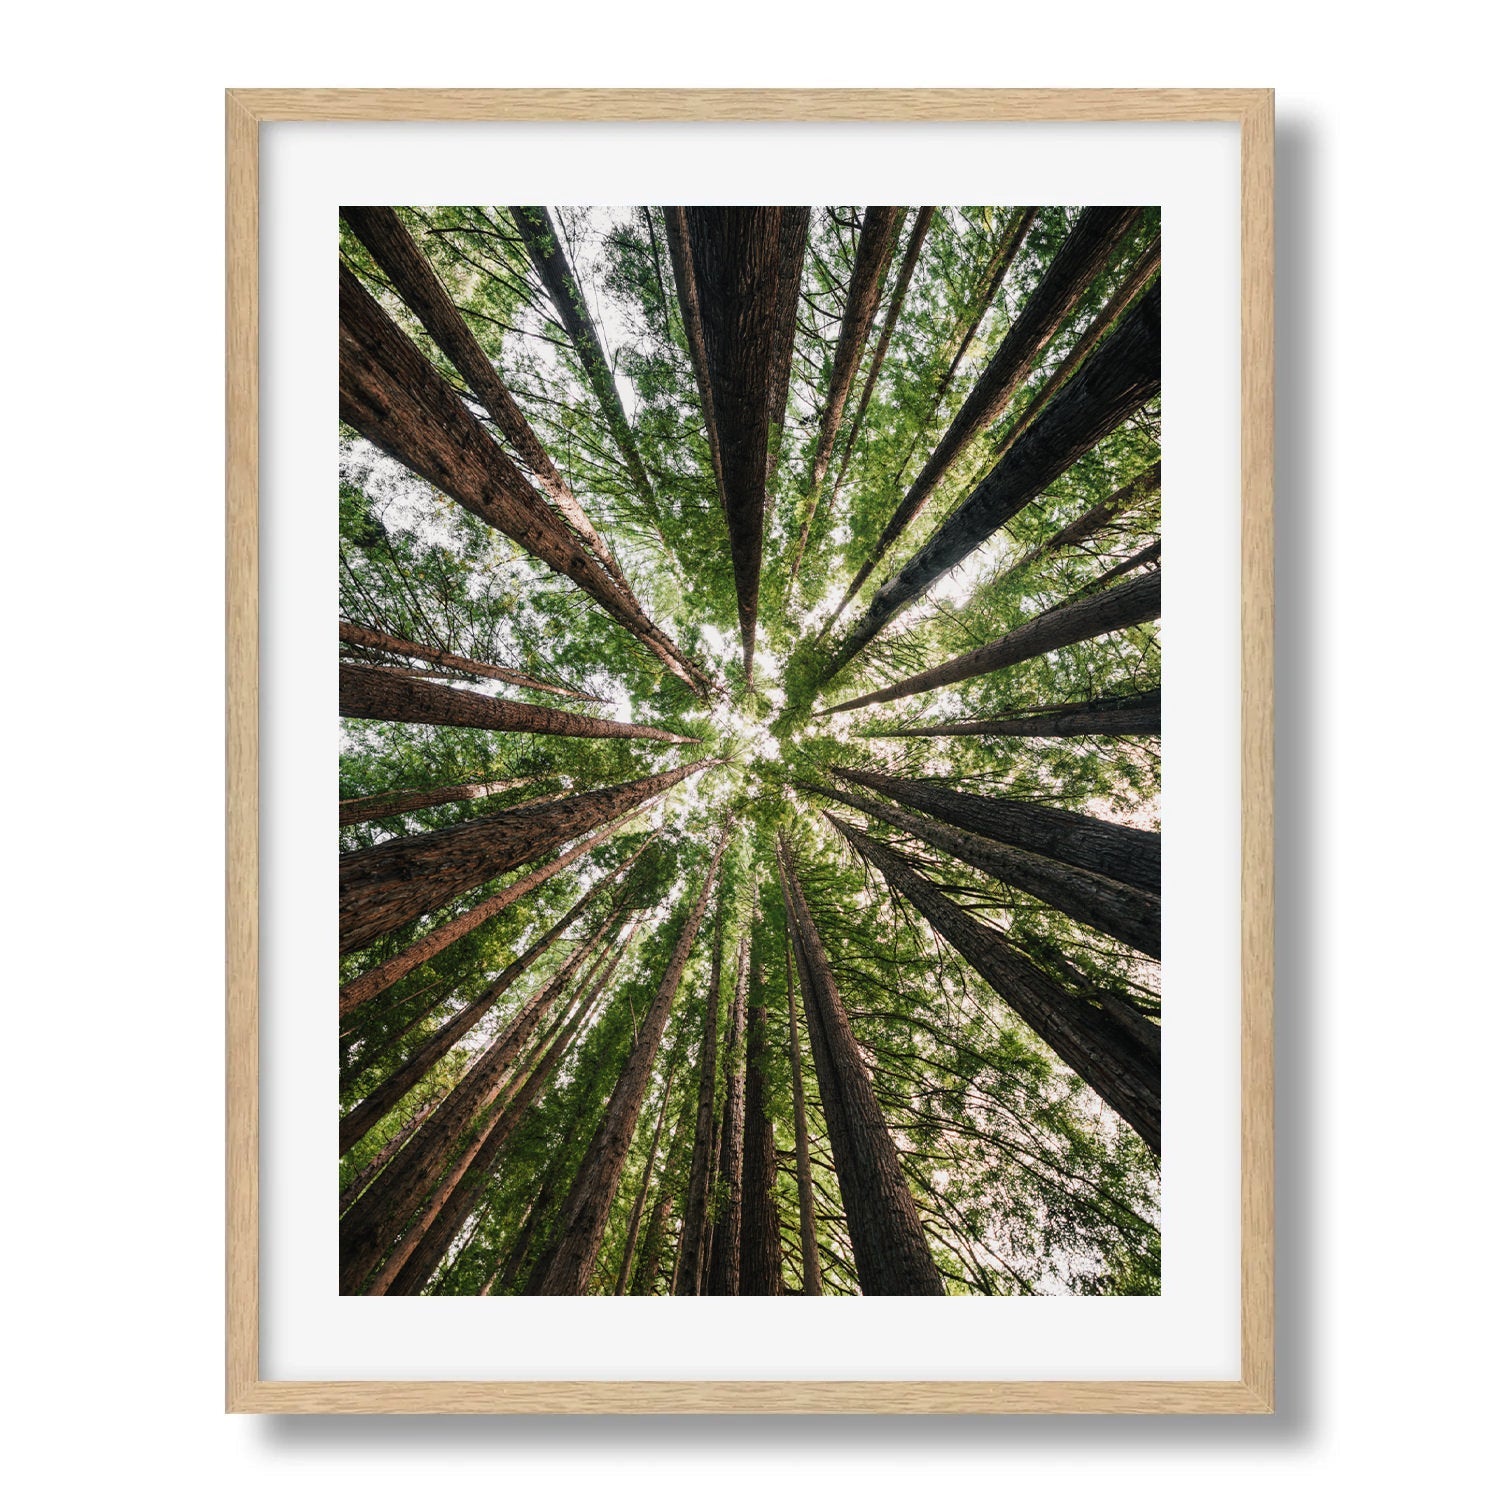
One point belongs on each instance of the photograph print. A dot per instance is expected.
(749, 679)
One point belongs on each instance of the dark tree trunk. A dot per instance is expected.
(377, 1163)
(736, 271)
(544, 246)
(584, 1216)
(370, 1229)
(373, 982)
(1130, 603)
(648, 1268)
(1092, 520)
(392, 395)
(760, 1226)
(389, 804)
(367, 692)
(871, 257)
(1129, 855)
(691, 1259)
(1136, 713)
(1123, 374)
(1149, 554)
(397, 254)
(633, 1229)
(382, 887)
(812, 1273)
(890, 1246)
(1121, 911)
(377, 640)
(472, 1173)
(724, 1267)
(1121, 1066)
(1140, 276)
(382, 1099)
(914, 243)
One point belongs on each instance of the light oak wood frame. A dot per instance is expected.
(1253, 111)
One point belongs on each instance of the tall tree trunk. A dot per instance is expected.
(1122, 375)
(1130, 603)
(1092, 520)
(377, 640)
(1139, 277)
(648, 1267)
(388, 804)
(1129, 855)
(871, 257)
(382, 1099)
(1149, 554)
(472, 1173)
(632, 1233)
(760, 1225)
(724, 1267)
(691, 1260)
(374, 982)
(1115, 1061)
(544, 246)
(392, 395)
(374, 1225)
(890, 1246)
(914, 243)
(377, 1163)
(736, 272)
(812, 1272)
(584, 1216)
(367, 692)
(385, 886)
(1121, 911)
(1134, 713)
(397, 254)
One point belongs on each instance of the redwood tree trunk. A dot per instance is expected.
(871, 257)
(1134, 713)
(373, 982)
(583, 1224)
(1121, 911)
(690, 1256)
(1092, 520)
(1122, 375)
(633, 1230)
(1130, 603)
(724, 1267)
(1129, 855)
(812, 1272)
(381, 1100)
(371, 1229)
(1116, 1061)
(760, 1228)
(388, 804)
(392, 645)
(367, 692)
(736, 271)
(385, 237)
(385, 886)
(891, 1253)
(392, 395)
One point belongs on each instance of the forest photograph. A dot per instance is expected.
(750, 701)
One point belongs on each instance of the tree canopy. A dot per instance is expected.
(749, 872)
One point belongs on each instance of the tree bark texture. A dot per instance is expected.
(724, 1266)
(367, 692)
(1131, 603)
(384, 886)
(398, 255)
(582, 1226)
(392, 395)
(891, 1253)
(1121, 376)
(812, 1273)
(1134, 713)
(393, 645)
(390, 804)
(737, 270)
(1129, 855)
(633, 1229)
(1130, 494)
(1109, 906)
(691, 1261)
(1110, 1058)
(760, 1224)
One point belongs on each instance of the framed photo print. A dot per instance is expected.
(799, 910)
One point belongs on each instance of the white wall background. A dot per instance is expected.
(112, 302)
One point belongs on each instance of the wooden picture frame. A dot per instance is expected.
(246, 1391)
